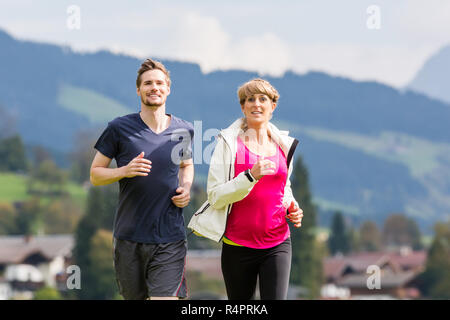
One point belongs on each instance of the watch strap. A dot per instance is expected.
(249, 175)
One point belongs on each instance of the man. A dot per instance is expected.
(155, 173)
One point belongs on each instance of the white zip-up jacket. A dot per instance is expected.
(223, 189)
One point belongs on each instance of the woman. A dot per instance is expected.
(249, 198)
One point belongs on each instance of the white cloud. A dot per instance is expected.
(269, 40)
(202, 39)
(393, 65)
(266, 53)
(422, 23)
(199, 39)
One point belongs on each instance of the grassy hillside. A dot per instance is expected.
(425, 162)
(419, 155)
(96, 107)
(324, 204)
(13, 187)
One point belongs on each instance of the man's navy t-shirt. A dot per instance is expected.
(146, 213)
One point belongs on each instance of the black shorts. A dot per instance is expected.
(146, 270)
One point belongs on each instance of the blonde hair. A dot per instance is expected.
(256, 86)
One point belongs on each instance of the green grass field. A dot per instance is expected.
(96, 107)
(335, 206)
(13, 187)
(420, 156)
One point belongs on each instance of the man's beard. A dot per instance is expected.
(145, 103)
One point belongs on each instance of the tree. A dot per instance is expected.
(103, 285)
(7, 219)
(82, 155)
(29, 217)
(61, 215)
(340, 237)
(306, 269)
(100, 209)
(434, 282)
(12, 154)
(399, 230)
(40, 154)
(47, 178)
(354, 239)
(370, 236)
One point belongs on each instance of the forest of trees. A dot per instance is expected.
(48, 207)
(398, 231)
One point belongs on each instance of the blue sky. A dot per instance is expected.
(269, 37)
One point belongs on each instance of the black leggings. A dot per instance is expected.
(241, 266)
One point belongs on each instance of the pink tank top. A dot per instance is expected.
(258, 221)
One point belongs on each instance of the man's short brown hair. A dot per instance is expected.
(150, 64)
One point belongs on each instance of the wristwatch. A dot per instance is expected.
(249, 175)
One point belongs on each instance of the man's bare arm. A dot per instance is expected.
(186, 173)
(101, 174)
(186, 177)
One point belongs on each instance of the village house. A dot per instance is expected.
(355, 276)
(30, 263)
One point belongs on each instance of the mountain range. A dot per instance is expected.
(371, 150)
(434, 77)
